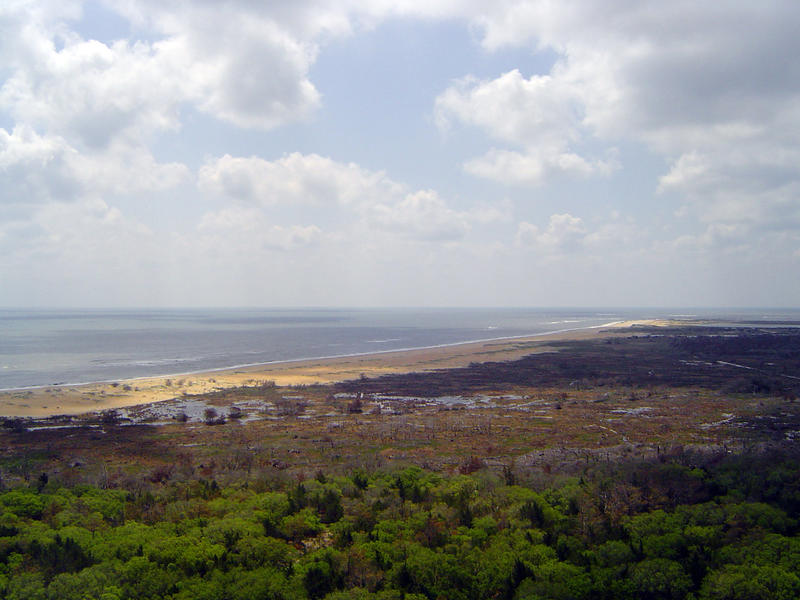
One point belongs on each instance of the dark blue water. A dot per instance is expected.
(48, 347)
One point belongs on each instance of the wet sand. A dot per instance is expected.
(64, 400)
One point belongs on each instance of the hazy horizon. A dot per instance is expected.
(301, 307)
(413, 154)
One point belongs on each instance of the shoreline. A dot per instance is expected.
(289, 361)
(78, 398)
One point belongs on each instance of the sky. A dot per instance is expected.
(399, 153)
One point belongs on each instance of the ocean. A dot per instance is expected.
(60, 347)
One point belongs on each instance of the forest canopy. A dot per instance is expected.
(666, 530)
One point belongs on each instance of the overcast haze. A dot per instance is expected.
(386, 153)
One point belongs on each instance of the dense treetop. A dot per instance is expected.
(665, 530)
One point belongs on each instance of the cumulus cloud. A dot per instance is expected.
(710, 87)
(252, 226)
(44, 168)
(91, 93)
(125, 170)
(96, 92)
(567, 234)
(225, 81)
(34, 168)
(513, 108)
(294, 178)
(99, 105)
(369, 197)
(564, 233)
(757, 183)
(84, 112)
(422, 215)
(535, 167)
(23, 147)
(541, 114)
(244, 63)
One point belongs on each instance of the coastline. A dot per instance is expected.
(71, 399)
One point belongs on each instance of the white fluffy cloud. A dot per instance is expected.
(253, 227)
(245, 68)
(43, 168)
(247, 71)
(422, 215)
(757, 183)
(91, 109)
(564, 233)
(245, 63)
(316, 181)
(535, 166)
(542, 115)
(33, 168)
(539, 110)
(710, 87)
(84, 111)
(89, 92)
(295, 178)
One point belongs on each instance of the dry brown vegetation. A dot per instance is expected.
(640, 397)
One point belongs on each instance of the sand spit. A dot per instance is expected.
(72, 400)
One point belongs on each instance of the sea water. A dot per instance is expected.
(59, 347)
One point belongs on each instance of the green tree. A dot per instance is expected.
(750, 582)
(660, 579)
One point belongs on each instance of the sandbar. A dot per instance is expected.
(78, 399)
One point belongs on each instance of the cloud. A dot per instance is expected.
(709, 87)
(563, 234)
(35, 169)
(673, 76)
(24, 147)
(246, 67)
(91, 93)
(422, 215)
(756, 183)
(244, 63)
(615, 236)
(295, 178)
(225, 81)
(84, 112)
(716, 237)
(252, 227)
(369, 198)
(124, 170)
(534, 167)
(566, 234)
(541, 114)
(512, 108)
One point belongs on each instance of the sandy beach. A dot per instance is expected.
(63, 400)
